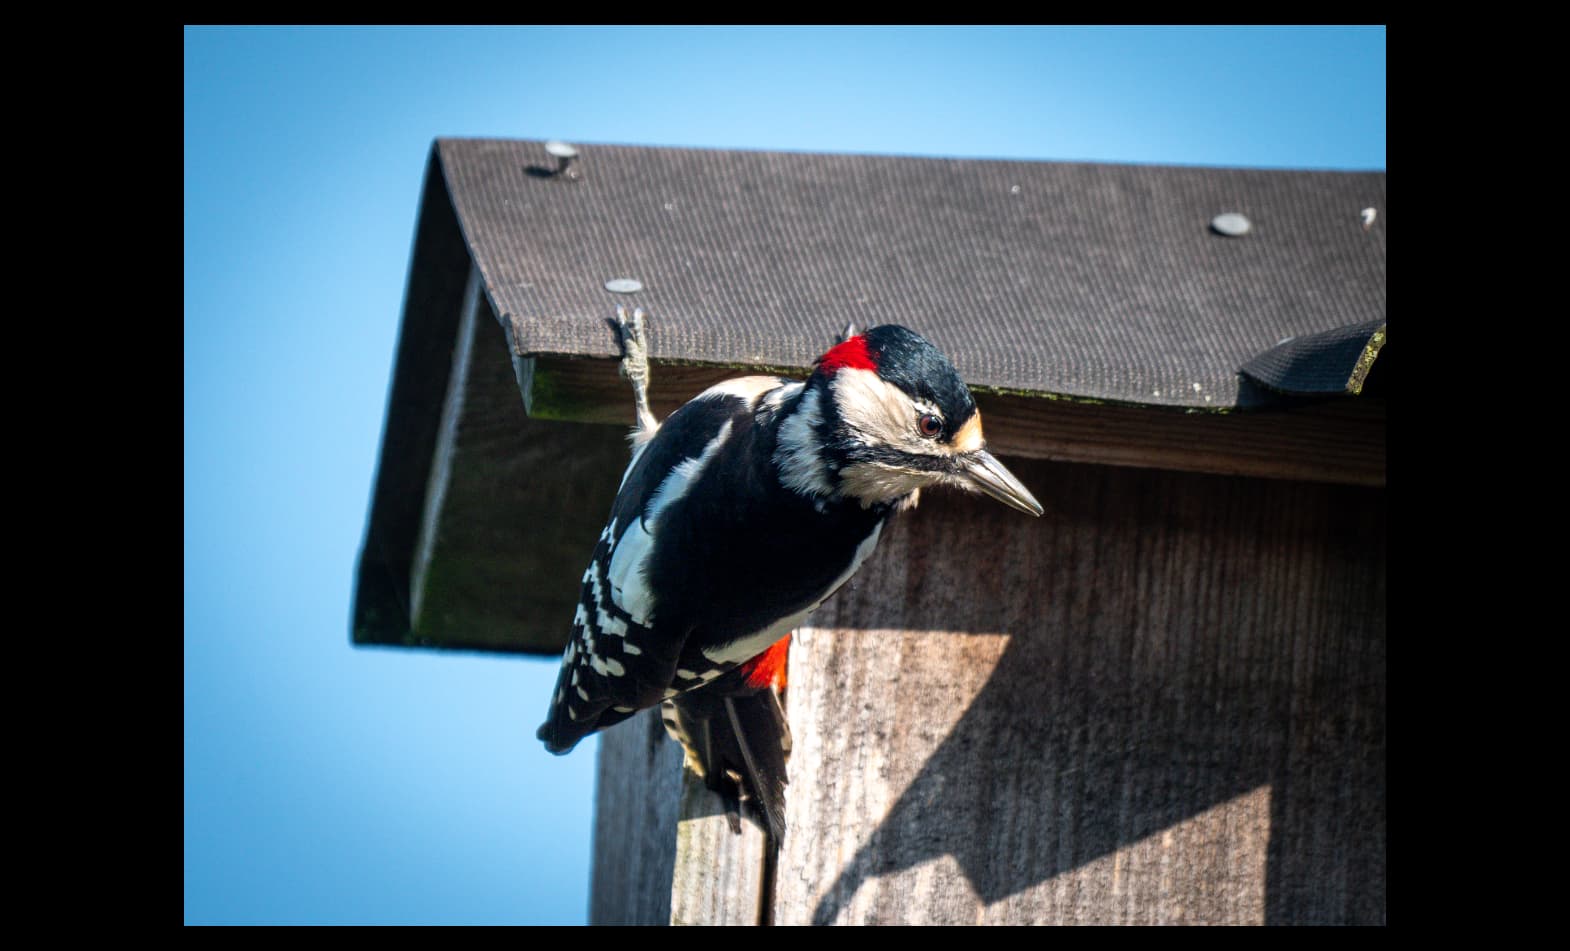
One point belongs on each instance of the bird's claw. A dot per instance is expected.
(635, 362)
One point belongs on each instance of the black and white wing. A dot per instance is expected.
(621, 657)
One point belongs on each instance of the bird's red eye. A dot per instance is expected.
(929, 425)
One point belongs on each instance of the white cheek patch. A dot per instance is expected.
(884, 414)
(878, 411)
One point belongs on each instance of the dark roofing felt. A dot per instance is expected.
(1103, 282)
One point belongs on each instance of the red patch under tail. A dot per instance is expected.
(768, 668)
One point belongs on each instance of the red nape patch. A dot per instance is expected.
(852, 353)
(769, 666)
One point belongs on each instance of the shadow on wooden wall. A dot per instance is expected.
(1194, 667)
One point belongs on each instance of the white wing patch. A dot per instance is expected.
(683, 476)
(617, 605)
(628, 569)
(606, 622)
(628, 586)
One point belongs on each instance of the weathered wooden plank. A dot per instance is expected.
(1164, 702)
(663, 850)
(638, 795)
(1340, 442)
(719, 876)
(512, 507)
(431, 310)
(446, 444)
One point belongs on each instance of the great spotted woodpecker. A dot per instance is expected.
(740, 514)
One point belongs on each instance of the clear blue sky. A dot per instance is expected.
(325, 783)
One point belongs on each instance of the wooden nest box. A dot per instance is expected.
(1164, 701)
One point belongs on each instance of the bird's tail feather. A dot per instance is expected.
(763, 736)
(739, 744)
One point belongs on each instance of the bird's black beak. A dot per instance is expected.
(986, 473)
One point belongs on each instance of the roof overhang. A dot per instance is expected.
(1094, 309)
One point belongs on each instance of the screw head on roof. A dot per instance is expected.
(563, 153)
(1231, 224)
(624, 285)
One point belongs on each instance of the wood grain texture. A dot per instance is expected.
(446, 444)
(1164, 702)
(663, 850)
(718, 878)
(637, 803)
(513, 507)
(1340, 441)
(431, 309)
